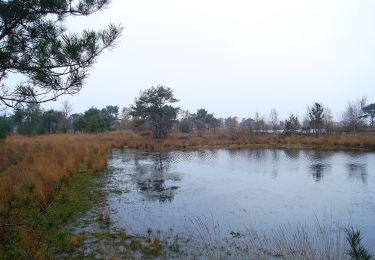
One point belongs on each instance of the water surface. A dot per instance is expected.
(241, 188)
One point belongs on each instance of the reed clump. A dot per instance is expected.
(222, 138)
(32, 166)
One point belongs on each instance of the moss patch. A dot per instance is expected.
(43, 234)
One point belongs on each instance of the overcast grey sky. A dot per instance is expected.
(235, 57)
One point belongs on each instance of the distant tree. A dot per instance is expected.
(316, 118)
(30, 120)
(292, 124)
(78, 122)
(231, 124)
(353, 115)
(185, 126)
(35, 44)
(152, 105)
(305, 124)
(110, 114)
(125, 118)
(259, 123)
(369, 112)
(186, 122)
(50, 120)
(169, 115)
(91, 121)
(247, 125)
(213, 122)
(200, 119)
(94, 121)
(66, 110)
(19, 118)
(203, 120)
(328, 123)
(274, 120)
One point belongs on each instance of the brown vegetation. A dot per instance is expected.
(237, 139)
(37, 166)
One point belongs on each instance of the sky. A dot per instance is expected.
(235, 58)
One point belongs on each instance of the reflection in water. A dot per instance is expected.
(203, 154)
(357, 171)
(154, 180)
(292, 153)
(319, 162)
(318, 154)
(275, 155)
(257, 154)
(317, 170)
(233, 153)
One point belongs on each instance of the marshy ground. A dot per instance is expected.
(52, 201)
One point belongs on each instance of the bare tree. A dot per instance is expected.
(66, 110)
(274, 120)
(352, 116)
(328, 123)
(259, 123)
(125, 118)
(231, 125)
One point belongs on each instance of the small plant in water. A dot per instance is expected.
(105, 217)
(357, 251)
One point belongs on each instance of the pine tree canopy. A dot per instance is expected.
(47, 60)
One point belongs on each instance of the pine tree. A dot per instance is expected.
(35, 44)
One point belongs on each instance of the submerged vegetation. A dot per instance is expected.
(326, 239)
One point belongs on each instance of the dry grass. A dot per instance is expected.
(38, 166)
(325, 239)
(222, 138)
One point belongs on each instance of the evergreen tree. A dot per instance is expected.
(369, 111)
(152, 106)
(316, 116)
(34, 43)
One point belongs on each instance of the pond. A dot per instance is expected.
(174, 192)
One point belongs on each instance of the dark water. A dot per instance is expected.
(240, 189)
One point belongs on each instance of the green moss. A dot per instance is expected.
(45, 234)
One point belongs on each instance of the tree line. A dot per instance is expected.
(154, 112)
